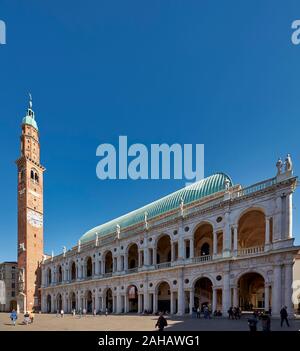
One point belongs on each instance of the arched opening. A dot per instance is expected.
(59, 274)
(73, 271)
(251, 230)
(203, 293)
(164, 297)
(49, 274)
(59, 302)
(73, 301)
(89, 302)
(89, 267)
(203, 240)
(251, 291)
(109, 300)
(133, 256)
(108, 262)
(163, 249)
(133, 298)
(49, 304)
(13, 305)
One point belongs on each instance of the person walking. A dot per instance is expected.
(74, 312)
(284, 316)
(13, 317)
(95, 312)
(106, 312)
(161, 322)
(252, 322)
(26, 318)
(62, 312)
(198, 312)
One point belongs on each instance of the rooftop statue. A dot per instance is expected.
(279, 166)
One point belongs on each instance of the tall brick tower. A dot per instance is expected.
(30, 214)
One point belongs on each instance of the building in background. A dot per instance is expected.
(296, 283)
(8, 286)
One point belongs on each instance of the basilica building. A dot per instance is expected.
(212, 243)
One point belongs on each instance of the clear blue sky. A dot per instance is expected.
(222, 73)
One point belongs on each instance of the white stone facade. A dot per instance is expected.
(92, 286)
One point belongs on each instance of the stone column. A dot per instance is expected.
(97, 267)
(214, 299)
(146, 297)
(97, 300)
(126, 262)
(180, 293)
(215, 243)
(227, 236)
(267, 297)
(139, 303)
(154, 255)
(226, 293)
(288, 217)
(267, 234)
(192, 247)
(235, 297)
(155, 304)
(276, 291)
(191, 300)
(235, 240)
(172, 303)
(277, 235)
(288, 287)
(146, 255)
(172, 251)
(119, 302)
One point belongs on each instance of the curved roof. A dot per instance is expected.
(30, 120)
(189, 194)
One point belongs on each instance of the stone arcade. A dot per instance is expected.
(212, 243)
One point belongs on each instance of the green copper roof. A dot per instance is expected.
(189, 194)
(31, 121)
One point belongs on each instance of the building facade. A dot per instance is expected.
(30, 215)
(8, 286)
(212, 243)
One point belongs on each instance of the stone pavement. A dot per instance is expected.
(132, 322)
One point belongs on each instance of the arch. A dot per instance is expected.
(203, 239)
(49, 303)
(108, 296)
(49, 276)
(132, 292)
(203, 292)
(133, 255)
(59, 274)
(59, 302)
(13, 305)
(108, 262)
(73, 301)
(251, 287)
(89, 267)
(251, 228)
(163, 249)
(73, 271)
(163, 297)
(89, 301)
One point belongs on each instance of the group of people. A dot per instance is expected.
(234, 313)
(265, 319)
(83, 312)
(28, 317)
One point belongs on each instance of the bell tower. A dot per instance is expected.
(30, 214)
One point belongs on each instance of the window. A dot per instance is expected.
(13, 276)
(13, 294)
(13, 285)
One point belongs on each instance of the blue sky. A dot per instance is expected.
(222, 73)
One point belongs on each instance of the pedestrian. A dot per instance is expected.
(13, 317)
(84, 312)
(161, 322)
(74, 312)
(230, 313)
(26, 318)
(106, 312)
(252, 322)
(198, 312)
(95, 312)
(31, 316)
(62, 313)
(283, 316)
(266, 322)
